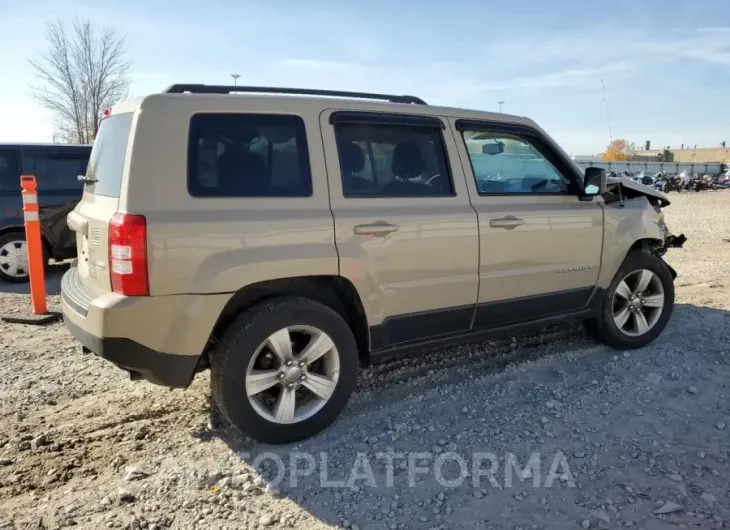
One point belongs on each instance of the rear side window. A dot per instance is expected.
(378, 160)
(104, 174)
(9, 170)
(248, 155)
(56, 171)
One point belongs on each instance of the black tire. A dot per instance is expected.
(12, 237)
(231, 358)
(603, 326)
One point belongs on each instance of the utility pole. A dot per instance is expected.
(500, 105)
(235, 79)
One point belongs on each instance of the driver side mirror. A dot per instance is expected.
(594, 182)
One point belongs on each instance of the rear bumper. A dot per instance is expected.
(164, 369)
(157, 338)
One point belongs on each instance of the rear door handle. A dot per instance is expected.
(509, 222)
(378, 228)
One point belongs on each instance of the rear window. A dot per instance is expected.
(248, 155)
(107, 156)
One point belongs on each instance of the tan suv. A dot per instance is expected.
(282, 237)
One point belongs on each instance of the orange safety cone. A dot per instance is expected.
(34, 244)
(36, 261)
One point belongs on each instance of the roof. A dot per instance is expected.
(209, 97)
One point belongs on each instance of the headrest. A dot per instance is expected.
(407, 161)
(352, 157)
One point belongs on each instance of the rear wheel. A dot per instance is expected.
(638, 304)
(284, 370)
(13, 258)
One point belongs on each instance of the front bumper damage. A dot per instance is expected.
(673, 241)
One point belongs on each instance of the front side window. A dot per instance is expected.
(505, 164)
(379, 160)
(248, 155)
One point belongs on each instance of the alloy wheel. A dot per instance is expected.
(292, 374)
(638, 302)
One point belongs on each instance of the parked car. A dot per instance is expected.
(282, 241)
(56, 168)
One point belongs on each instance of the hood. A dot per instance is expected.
(631, 188)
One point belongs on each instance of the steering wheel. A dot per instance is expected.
(430, 180)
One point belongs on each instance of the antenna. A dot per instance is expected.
(605, 104)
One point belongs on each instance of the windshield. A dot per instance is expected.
(104, 173)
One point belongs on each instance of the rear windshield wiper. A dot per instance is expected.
(86, 180)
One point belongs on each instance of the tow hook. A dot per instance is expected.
(675, 241)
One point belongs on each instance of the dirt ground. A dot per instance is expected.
(575, 435)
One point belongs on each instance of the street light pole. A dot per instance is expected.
(235, 79)
(500, 105)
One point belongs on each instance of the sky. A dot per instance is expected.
(665, 64)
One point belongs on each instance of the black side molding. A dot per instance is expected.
(417, 348)
(428, 326)
(417, 326)
(524, 309)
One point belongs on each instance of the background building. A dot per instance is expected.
(701, 155)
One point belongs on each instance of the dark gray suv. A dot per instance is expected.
(57, 168)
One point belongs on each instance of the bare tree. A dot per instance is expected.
(82, 72)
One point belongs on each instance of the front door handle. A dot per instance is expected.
(509, 222)
(378, 228)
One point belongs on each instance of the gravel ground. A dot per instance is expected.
(575, 435)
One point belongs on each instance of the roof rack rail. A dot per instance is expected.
(227, 89)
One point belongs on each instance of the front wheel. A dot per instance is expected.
(284, 369)
(638, 304)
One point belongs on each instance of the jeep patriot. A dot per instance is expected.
(283, 237)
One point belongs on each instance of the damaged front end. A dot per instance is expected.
(670, 241)
(619, 190)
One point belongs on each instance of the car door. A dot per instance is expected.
(405, 230)
(540, 243)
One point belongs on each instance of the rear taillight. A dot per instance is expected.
(128, 254)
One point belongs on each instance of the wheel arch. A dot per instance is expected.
(336, 292)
